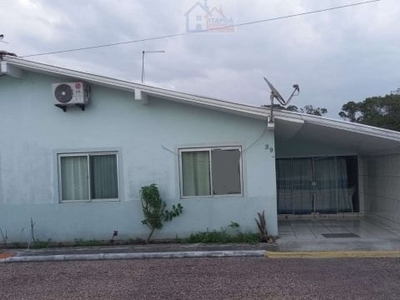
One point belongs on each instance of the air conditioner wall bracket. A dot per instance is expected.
(81, 106)
(63, 107)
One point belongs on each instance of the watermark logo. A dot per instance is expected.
(200, 18)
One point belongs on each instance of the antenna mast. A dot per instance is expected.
(143, 54)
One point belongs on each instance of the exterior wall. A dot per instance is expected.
(33, 131)
(382, 187)
(301, 148)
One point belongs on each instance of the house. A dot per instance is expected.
(196, 17)
(75, 171)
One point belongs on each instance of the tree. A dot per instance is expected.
(378, 111)
(309, 109)
(154, 209)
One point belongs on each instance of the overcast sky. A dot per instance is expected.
(335, 57)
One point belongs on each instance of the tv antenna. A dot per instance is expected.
(276, 95)
(143, 54)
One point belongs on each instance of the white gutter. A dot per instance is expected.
(339, 124)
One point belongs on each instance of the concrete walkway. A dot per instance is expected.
(337, 234)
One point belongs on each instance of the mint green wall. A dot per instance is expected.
(33, 131)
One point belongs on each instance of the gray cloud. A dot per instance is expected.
(335, 56)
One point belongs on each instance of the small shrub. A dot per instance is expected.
(38, 244)
(234, 225)
(87, 243)
(262, 228)
(222, 236)
(154, 209)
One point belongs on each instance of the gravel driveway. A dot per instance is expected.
(215, 278)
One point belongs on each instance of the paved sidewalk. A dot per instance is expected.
(337, 234)
(136, 252)
(303, 238)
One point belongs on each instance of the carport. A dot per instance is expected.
(333, 168)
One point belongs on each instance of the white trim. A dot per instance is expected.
(141, 97)
(88, 154)
(317, 156)
(209, 150)
(11, 70)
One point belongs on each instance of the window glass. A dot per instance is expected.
(88, 177)
(103, 177)
(226, 171)
(196, 173)
(74, 178)
(211, 172)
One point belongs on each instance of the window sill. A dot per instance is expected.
(90, 201)
(213, 196)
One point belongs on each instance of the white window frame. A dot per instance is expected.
(88, 154)
(209, 149)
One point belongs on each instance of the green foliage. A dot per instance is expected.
(38, 244)
(308, 109)
(154, 209)
(223, 236)
(234, 225)
(379, 111)
(87, 243)
(16, 245)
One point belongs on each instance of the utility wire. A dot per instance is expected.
(202, 31)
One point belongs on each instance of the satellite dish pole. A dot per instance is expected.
(276, 95)
(143, 53)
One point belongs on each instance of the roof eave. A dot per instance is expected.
(231, 107)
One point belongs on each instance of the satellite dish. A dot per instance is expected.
(274, 91)
(276, 95)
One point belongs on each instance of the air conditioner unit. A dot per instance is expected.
(71, 93)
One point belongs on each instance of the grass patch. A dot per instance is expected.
(87, 243)
(222, 236)
(38, 244)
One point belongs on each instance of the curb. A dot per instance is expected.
(5, 255)
(143, 255)
(333, 254)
